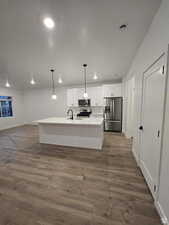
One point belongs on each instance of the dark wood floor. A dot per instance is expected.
(51, 185)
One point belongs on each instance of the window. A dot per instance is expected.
(6, 106)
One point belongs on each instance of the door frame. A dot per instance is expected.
(166, 62)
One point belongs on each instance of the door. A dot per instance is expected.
(152, 120)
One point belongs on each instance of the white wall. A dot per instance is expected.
(155, 43)
(129, 107)
(18, 117)
(38, 104)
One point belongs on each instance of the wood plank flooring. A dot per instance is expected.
(52, 185)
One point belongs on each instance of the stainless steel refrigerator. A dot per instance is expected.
(113, 114)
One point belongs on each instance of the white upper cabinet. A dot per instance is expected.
(72, 100)
(96, 94)
(80, 93)
(112, 90)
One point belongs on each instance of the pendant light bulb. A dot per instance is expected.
(95, 77)
(54, 97)
(32, 81)
(60, 81)
(7, 84)
(85, 95)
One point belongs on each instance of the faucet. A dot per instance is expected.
(70, 110)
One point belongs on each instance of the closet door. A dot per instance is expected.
(152, 120)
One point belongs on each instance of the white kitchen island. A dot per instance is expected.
(83, 133)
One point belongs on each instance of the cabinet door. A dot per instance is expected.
(91, 95)
(112, 90)
(96, 96)
(70, 98)
(75, 97)
(99, 96)
(117, 90)
(80, 93)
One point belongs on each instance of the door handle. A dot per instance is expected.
(158, 133)
(141, 128)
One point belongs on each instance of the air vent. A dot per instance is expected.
(123, 27)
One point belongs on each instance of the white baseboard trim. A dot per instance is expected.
(136, 157)
(160, 210)
(32, 123)
(13, 126)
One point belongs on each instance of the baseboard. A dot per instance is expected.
(33, 123)
(13, 126)
(160, 210)
(136, 157)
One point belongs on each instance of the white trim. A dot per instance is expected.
(160, 210)
(136, 157)
(13, 126)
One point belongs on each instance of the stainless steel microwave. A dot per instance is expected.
(84, 102)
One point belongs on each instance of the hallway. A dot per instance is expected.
(53, 185)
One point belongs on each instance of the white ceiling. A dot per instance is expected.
(86, 31)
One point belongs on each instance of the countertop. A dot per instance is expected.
(63, 120)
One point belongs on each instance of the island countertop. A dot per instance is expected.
(63, 120)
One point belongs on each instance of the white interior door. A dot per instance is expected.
(152, 119)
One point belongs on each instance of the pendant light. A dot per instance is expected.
(60, 81)
(7, 84)
(85, 95)
(54, 96)
(32, 81)
(95, 77)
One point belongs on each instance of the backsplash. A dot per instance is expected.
(96, 110)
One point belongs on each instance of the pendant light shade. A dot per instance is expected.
(85, 95)
(54, 96)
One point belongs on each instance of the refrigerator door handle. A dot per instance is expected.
(113, 109)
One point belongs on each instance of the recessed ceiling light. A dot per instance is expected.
(49, 23)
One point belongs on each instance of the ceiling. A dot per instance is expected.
(86, 31)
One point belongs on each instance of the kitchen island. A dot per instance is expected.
(83, 133)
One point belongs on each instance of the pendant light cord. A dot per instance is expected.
(53, 81)
(85, 78)
(85, 65)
